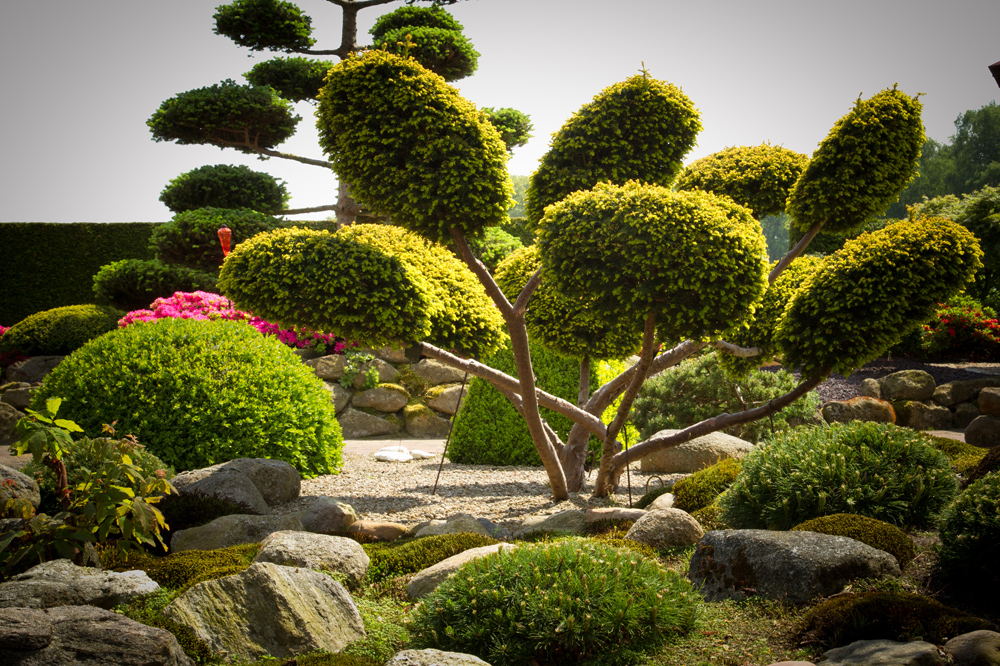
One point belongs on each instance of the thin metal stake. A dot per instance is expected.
(447, 441)
(628, 470)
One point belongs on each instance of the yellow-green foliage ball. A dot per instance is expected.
(704, 486)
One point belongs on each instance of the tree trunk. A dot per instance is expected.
(347, 208)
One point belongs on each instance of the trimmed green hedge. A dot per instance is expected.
(79, 249)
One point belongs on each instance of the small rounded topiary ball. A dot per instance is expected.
(875, 533)
(197, 393)
(59, 331)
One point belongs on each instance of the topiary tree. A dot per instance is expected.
(59, 331)
(258, 117)
(225, 186)
(685, 266)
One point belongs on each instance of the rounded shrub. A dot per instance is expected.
(970, 537)
(59, 331)
(699, 389)
(399, 558)
(874, 290)
(414, 17)
(639, 129)
(265, 24)
(758, 177)
(871, 469)
(191, 238)
(898, 616)
(296, 79)
(197, 393)
(439, 165)
(704, 486)
(963, 457)
(569, 602)
(695, 259)
(133, 284)
(225, 186)
(488, 429)
(447, 53)
(861, 166)
(875, 533)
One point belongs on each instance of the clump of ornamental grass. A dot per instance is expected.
(567, 602)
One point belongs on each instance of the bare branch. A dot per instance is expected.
(792, 254)
(521, 304)
(302, 211)
(735, 350)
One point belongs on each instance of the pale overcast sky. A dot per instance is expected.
(83, 76)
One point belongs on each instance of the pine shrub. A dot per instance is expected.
(990, 462)
(872, 469)
(569, 602)
(970, 538)
(197, 393)
(875, 533)
(59, 331)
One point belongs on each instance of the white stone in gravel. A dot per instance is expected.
(664, 501)
(421, 455)
(393, 456)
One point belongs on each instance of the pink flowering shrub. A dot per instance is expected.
(962, 329)
(206, 305)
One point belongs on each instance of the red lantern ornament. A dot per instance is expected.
(224, 235)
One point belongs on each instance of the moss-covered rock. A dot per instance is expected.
(406, 556)
(875, 533)
(704, 486)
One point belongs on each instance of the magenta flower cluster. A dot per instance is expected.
(3, 329)
(206, 305)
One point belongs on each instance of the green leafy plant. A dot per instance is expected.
(710, 517)
(514, 126)
(704, 486)
(699, 388)
(970, 536)
(225, 186)
(132, 284)
(569, 602)
(115, 503)
(354, 363)
(961, 330)
(964, 457)
(989, 463)
(264, 24)
(872, 469)
(898, 616)
(875, 533)
(59, 331)
(202, 392)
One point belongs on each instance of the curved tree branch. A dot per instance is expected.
(735, 350)
(792, 254)
(301, 211)
(521, 304)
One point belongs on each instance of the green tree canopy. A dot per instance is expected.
(758, 177)
(265, 24)
(225, 186)
(976, 147)
(639, 129)
(514, 127)
(415, 151)
(297, 79)
(445, 52)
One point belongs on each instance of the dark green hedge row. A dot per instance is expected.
(47, 265)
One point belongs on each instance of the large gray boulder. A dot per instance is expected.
(328, 368)
(432, 657)
(426, 581)
(339, 396)
(327, 515)
(421, 421)
(18, 397)
(923, 415)
(989, 401)
(232, 530)
(276, 481)
(14, 483)
(62, 583)
(984, 431)
(666, 528)
(355, 423)
(8, 419)
(34, 369)
(382, 398)
(436, 372)
(596, 514)
(83, 636)
(386, 374)
(319, 552)
(965, 414)
(227, 484)
(790, 566)
(884, 653)
(570, 520)
(697, 454)
(446, 399)
(976, 648)
(456, 524)
(907, 385)
(859, 409)
(954, 393)
(270, 610)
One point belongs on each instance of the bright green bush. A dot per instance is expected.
(439, 165)
(398, 558)
(197, 393)
(869, 294)
(447, 53)
(570, 602)
(699, 388)
(489, 431)
(875, 533)
(83, 461)
(320, 270)
(871, 469)
(639, 129)
(494, 246)
(462, 316)
(567, 325)
(264, 24)
(970, 538)
(224, 186)
(414, 17)
(758, 177)
(696, 259)
(704, 486)
(762, 327)
(133, 284)
(219, 116)
(898, 616)
(861, 166)
(59, 331)
(295, 79)
(963, 457)
(191, 238)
